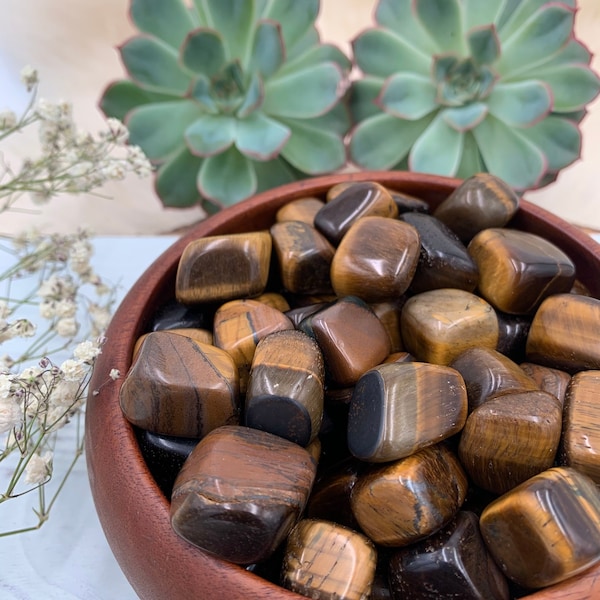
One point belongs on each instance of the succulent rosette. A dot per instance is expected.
(457, 87)
(230, 97)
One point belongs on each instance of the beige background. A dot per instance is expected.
(73, 45)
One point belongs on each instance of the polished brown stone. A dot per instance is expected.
(224, 267)
(286, 387)
(233, 500)
(510, 438)
(546, 530)
(439, 325)
(303, 209)
(298, 314)
(549, 380)
(512, 334)
(407, 203)
(518, 269)
(180, 387)
(564, 333)
(452, 563)
(324, 560)
(399, 408)
(405, 501)
(399, 357)
(389, 315)
(204, 336)
(274, 300)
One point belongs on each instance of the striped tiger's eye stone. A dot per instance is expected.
(510, 438)
(180, 387)
(581, 435)
(233, 500)
(327, 561)
(376, 260)
(439, 325)
(224, 267)
(274, 300)
(303, 209)
(399, 408)
(553, 381)
(480, 202)
(389, 315)
(304, 257)
(286, 387)
(199, 335)
(564, 333)
(518, 269)
(545, 530)
(407, 500)
(452, 563)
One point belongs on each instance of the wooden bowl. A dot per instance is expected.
(133, 511)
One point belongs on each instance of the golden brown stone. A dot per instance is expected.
(274, 300)
(203, 336)
(303, 209)
(389, 315)
(553, 381)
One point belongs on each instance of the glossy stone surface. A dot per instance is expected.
(175, 315)
(452, 563)
(303, 209)
(233, 500)
(553, 381)
(512, 334)
(480, 202)
(327, 561)
(224, 267)
(180, 387)
(581, 433)
(546, 530)
(389, 315)
(564, 333)
(407, 203)
(518, 270)
(399, 408)
(298, 314)
(439, 325)
(407, 500)
(274, 300)
(444, 261)
(204, 336)
(510, 438)
(286, 387)
(304, 257)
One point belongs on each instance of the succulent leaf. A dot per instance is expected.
(559, 138)
(260, 137)
(203, 52)
(408, 96)
(471, 161)
(175, 181)
(520, 104)
(297, 20)
(210, 134)
(316, 55)
(442, 21)
(466, 117)
(268, 51)
(273, 173)
(167, 20)
(122, 96)
(254, 97)
(477, 13)
(201, 93)
(523, 11)
(484, 44)
(363, 94)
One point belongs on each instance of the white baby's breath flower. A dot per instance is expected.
(5, 311)
(47, 309)
(79, 256)
(100, 318)
(20, 328)
(73, 370)
(6, 385)
(11, 413)
(116, 131)
(138, 161)
(67, 327)
(114, 374)
(65, 308)
(29, 76)
(8, 119)
(39, 468)
(87, 351)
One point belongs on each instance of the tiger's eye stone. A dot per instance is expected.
(356, 201)
(553, 381)
(510, 438)
(233, 500)
(405, 501)
(298, 314)
(407, 203)
(480, 202)
(304, 257)
(286, 387)
(274, 300)
(175, 315)
(352, 339)
(452, 563)
(444, 261)
(389, 315)
(564, 333)
(327, 561)
(180, 387)
(487, 373)
(581, 435)
(512, 334)
(439, 325)
(303, 209)
(399, 357)
(399, 408)
(224, 267)
(240, 325)
(518, 269)
(376, 260)
(547, 529)
(200, 335)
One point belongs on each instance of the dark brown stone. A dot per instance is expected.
(553, 381)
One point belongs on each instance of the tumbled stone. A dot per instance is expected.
(405, 501)
(440, 324)
(518, 269)
(324, 560)
(452, 563)
(547, 529)
(224, 267)
(175, 315)
(399, 357)
(233, 500)
(510, 438)
(480, 202)
(512, 334)
(180, 387)
(553, 381)
(302, 209)
(399, 408)
(407, 203)
(274, 300)
(389, 315)
(298, 314)
(286, 387)
(204, 336)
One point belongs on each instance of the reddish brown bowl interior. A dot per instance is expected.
(133, 511)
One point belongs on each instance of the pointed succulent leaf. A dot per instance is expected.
(470, 162)
(273, 173)
(573, 86)
(506, 9)
(227, 178)
(210, 134)
(122, 96)
(484, 44)
(438, 149)
(268, 52)
(315, 56)
(297, 19)
(477, 13)
(560, 140)
(465, 117)
(363, 94)
(200, 93)
(303, 94)
(443, 64)
(523, 11)
(203, 52)
(175, 181)
(260, 137)
(520, 104)
(443, 22)
(511, 156)
(337, 120)
(254, 97)
(168, 20)
(408, 96)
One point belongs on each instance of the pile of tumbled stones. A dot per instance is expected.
(371, 399)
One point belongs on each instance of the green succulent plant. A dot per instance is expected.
(456, 87)
(230, 97)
